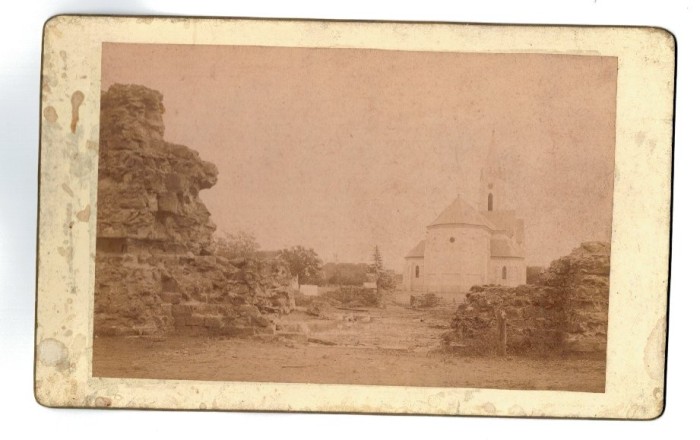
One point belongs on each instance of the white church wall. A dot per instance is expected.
(514, 271)
(456, 257)
(413, 280)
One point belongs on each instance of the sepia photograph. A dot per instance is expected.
(354, 216)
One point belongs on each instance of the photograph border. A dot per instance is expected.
(640, 258)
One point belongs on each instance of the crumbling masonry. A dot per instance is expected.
(155, 271)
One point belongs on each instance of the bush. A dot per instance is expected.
(351, 296)
(345, 274)
(426, 300)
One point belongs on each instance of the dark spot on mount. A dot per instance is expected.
(76, 101)
(50, 114)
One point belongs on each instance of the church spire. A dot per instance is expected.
(492, 185)
(493, 164)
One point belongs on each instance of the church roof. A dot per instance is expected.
(462, 213)
(417, 251)
(504, 220)
(503, 247)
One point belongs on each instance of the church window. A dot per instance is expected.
(490, 202)
(417, 271)
(504, 273)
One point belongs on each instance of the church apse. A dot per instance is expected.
(468, 245)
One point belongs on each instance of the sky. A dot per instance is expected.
(342, 150)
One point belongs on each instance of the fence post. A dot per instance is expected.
(502, 335)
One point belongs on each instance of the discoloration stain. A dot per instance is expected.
(202, 405)
(652, 145)
(637, 412)
(84, 215)
(654, 351)
(468, 395)
(53, 353)
(76, 101)
(45, 86)
(50, 114)
(103, 402)
(69, 243)
(488, 408)
(67, 189)
(639, 138)
(516, 410)
(91, 145)
(67, 253)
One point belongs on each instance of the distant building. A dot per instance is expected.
(466, 246)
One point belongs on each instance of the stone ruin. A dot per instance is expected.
(155, 268)
(566, 312)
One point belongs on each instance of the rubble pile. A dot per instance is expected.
(584, 275)
(424, 301)
(155, 271)
(534, 315)
(566, 312)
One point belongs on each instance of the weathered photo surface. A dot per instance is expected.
(354, 216)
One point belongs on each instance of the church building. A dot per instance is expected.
(467, 246)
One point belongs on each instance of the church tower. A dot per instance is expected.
(492, 186)
(472, 244)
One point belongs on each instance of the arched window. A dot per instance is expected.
(504, 273)
(417, 271)
(490, 202)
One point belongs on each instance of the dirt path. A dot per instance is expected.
(246, 360)
(393, 327)
(398, 346)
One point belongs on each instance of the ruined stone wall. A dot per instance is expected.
(566, 312)
(155, 271)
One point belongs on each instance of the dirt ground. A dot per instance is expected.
(395, 345)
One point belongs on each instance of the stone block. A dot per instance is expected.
(270, 330)
(195, 321)
(171, 297)
(173, 182)
(213, 322)
(145, 330)
(235, 321)
(293, 327)
(182, 309)
(168, 202)
(260, 321)
(248, 310)
(243, 331)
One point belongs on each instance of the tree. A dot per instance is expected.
(377, 265)
(385, 279)
(533, 274)
(345, 274)
(242, 244)
(303, 262)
